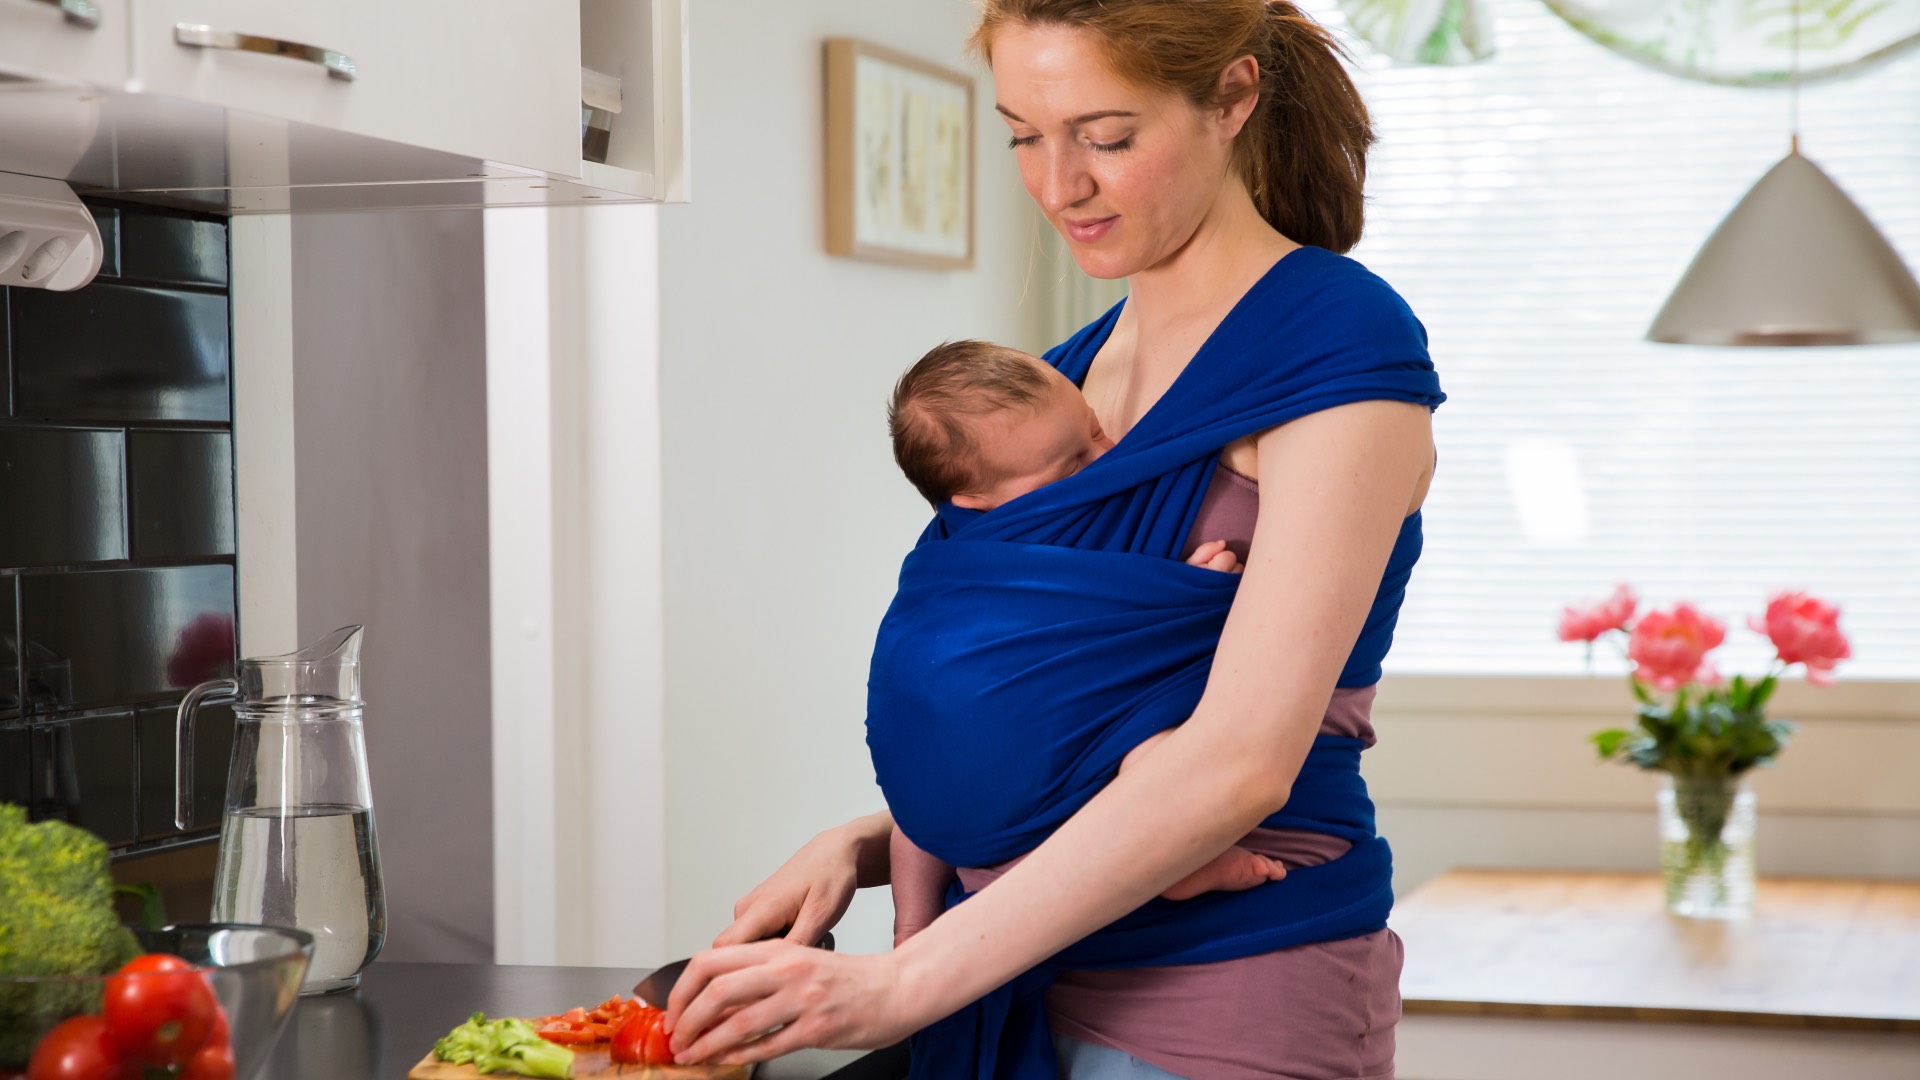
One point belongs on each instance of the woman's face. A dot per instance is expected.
(1126, 175)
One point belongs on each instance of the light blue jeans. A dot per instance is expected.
(1085, 1061)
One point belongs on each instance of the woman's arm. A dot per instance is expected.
(1334, 487)
(809, 893)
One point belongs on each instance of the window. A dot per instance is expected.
(1535, 210)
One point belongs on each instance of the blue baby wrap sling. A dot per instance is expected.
(1029, 648)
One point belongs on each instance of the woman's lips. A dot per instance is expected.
(1086, 232)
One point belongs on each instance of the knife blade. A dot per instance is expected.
(659, 983)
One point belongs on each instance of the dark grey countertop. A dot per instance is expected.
(385, 1027)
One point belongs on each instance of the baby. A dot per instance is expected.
(979, 425)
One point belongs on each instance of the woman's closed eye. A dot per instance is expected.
(1117, 146)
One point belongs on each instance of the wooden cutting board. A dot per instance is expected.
(589, 1063)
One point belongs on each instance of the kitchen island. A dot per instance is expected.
(385, 1027)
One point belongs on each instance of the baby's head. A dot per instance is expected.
(981, 424)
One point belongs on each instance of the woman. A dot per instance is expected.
(1193, 147)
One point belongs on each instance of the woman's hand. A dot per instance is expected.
(806, 897)
(747, 1003)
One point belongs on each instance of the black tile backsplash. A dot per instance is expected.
(9, 655)
(117, 529)
(126, 636)
(63, 496)
(212, 749)
(181, 493)
(120, 352)
(188, 251)
(83, 772)
(16, 765)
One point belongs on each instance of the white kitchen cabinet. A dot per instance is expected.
(270, 106)
(84, 40)
(490, 79)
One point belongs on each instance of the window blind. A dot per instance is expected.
(1536, 209)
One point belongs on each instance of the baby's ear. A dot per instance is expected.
(972, 502)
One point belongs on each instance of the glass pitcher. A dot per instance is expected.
(297, 843)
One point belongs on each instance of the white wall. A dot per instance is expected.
(574, 485)
(785, 517)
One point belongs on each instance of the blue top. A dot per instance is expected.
(1030, 647)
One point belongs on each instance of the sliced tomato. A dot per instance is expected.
(582, 1026)
(659, 1044)
(630, 1042)
(564, 1035)
(642, 1040)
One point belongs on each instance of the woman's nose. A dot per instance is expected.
(1066, 183)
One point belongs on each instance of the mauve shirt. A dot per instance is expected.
(1324, 1011)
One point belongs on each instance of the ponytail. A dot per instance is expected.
(1303, 151)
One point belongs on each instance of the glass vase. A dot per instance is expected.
(1706, 846)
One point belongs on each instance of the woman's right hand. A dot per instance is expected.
(806, 897)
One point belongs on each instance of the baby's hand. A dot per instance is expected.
(1213, 555)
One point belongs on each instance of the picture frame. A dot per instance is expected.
(899, 156)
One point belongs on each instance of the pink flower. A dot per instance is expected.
(1804, 630)
(1670, 649)
(1588, 623)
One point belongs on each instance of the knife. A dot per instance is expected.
(655, 987)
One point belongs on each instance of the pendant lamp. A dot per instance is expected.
(1795, 263)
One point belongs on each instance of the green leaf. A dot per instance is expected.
(1608, 741)
(153, 910)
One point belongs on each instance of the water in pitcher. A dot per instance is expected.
(313, 867)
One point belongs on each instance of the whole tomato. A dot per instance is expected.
(218, 1032)
(213, 1061)
(158, 1009)
(78, 1049)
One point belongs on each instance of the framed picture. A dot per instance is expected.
(899, 157)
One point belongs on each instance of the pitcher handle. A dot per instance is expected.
(207, 692)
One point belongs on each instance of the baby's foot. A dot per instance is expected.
(1234, 870)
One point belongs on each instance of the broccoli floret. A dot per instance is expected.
(58, 898)
(505, 1045)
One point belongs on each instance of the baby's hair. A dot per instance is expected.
(939, 397)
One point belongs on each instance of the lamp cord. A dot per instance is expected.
(1793, 84)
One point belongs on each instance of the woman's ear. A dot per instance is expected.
(1240, 88)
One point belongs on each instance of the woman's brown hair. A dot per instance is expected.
(1303, 151)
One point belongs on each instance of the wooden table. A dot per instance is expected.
(1571, 975)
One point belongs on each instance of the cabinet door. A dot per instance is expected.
(87, 41)
(492, 79)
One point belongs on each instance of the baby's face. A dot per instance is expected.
(1029, 448)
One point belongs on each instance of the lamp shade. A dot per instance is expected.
(1795, 263)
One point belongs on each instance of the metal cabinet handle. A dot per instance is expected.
(338, 64)
(78, 12)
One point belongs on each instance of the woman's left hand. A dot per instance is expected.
(746, 1003)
